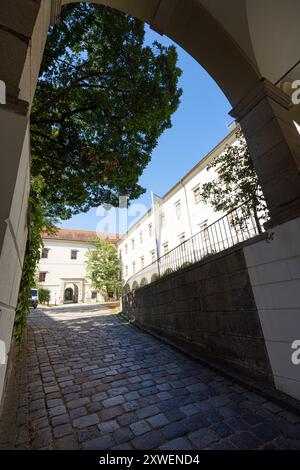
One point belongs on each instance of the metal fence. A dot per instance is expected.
(236, 226)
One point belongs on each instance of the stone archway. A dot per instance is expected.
(71, 293)
(68, 295)
(224, 38)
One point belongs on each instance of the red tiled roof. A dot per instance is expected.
(80, 235)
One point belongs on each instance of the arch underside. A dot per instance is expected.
(238, 41)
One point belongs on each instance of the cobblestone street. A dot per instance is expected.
(92, 382)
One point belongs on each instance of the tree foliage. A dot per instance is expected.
(103, 267)
(236, 183)
(44, 295)
(103, 98)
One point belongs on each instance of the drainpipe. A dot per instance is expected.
(187, 207)
(189, 219)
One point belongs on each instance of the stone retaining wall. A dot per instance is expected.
(208, 309)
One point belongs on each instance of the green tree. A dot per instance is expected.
(103, 98)
(236, 184)
(103, 267)
(44, 295)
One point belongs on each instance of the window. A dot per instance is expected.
(126, 249)
(74, 254)
(178, 209)
(165, 248)
(197, 195)
(42, 277)
(150, 230)
(133, 267)
(120, 254)
(204, 231)
(132, 244)
(163, 219)
(142, 262)
(45, 252)
(181, 238)
(126, 271)
(153, 256)
(94, 295)
(141, 236)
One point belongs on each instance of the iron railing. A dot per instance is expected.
(235, 227)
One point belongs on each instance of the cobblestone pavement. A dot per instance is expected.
(92, 382)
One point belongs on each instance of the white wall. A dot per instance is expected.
(192, 216)
(12, 253)
(274, 269)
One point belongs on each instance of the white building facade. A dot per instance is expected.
(62, 266)
(181, 215)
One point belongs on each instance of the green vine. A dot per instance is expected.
(37, 222)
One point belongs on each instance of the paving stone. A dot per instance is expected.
(172, 430)
(174, 415)
(131, 396)
(62, 430)
(108, 426)
(203, 437)
(245, 441)
(124, 446)
(61, 419)
(266, 432)
(190, 409)
(57, 410)
(140, 427)
(85, 421)
(164, 395)
(118, 400)
(122, 435)
(157, 421)
(148, 441)
(222, 430)
(78, 412)
(177, 444)
(127, 418)
(101, 443)
(54, 403)
(78, 403)
(40, 423)
(197, 421)
(99, 396)
(88, 434)
(111, 413)
(148, 411)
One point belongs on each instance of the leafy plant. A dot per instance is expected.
(44, 295)
(236, 183)
(37, 222)
(103, 267)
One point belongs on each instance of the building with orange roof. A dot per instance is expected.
(62, 267)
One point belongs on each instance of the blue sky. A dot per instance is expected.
(198, 125)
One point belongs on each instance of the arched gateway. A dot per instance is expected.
(250, 48)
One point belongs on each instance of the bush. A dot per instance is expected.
(44, 295)
(167, 271)
(144, 282)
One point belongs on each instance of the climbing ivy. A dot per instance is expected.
(37, 222)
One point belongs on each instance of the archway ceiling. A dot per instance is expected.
(264, 33)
